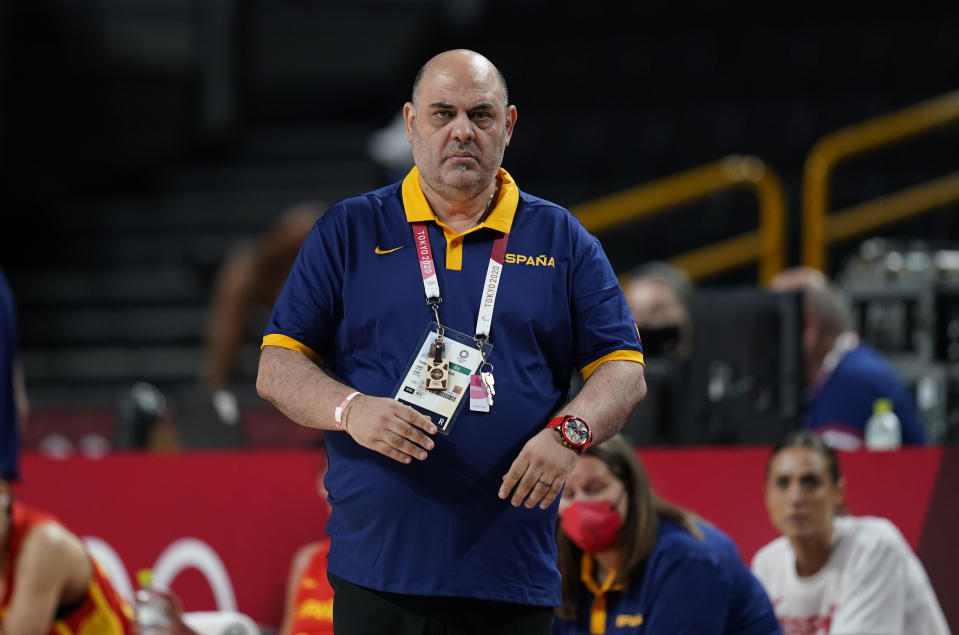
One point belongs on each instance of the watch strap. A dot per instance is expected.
(555, 422)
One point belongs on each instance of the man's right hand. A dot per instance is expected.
(393, 429)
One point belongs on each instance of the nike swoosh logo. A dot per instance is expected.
(386, 251)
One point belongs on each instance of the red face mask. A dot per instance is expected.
(592, 525)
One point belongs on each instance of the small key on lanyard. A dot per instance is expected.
(489, 382)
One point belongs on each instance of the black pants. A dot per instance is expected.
(358, 610)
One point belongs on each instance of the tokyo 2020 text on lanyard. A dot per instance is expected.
(447, 361)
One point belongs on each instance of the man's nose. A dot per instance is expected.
(462, 129)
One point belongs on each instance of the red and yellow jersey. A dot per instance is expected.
(313, 606)
(101, 611)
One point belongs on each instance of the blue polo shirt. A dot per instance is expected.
(9, 428)
(354, 301)
(690, 587)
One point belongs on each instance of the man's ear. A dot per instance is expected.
(510, 122)
(409, 115)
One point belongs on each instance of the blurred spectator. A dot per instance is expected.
(660, 297)
(14, 406)
(309, 596)
(833, 573)
(855, 397)
(633, 563)
(249, 280)
(251, 277)
(50, 583)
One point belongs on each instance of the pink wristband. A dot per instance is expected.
(340, 409)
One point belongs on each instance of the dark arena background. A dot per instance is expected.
(146, 143)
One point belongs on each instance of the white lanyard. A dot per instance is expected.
(431, 283)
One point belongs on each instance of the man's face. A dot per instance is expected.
(800, 496)
(459, 126)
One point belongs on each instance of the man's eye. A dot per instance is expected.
(782, 482)
(481, 115)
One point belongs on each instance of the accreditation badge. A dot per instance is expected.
(438, 374)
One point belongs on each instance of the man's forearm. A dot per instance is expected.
(608, 396)
(299, 388)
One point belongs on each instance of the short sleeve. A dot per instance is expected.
(873, 593)
(603, 326)
(310, 304)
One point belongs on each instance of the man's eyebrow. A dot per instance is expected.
(444, 106)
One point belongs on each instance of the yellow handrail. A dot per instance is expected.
(819, 227)
(764, 245)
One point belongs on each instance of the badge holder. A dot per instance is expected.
(437, 376)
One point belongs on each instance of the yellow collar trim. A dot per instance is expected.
(586, 575)
(500, 218)
(597, 612)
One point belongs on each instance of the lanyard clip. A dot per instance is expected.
(434, 303)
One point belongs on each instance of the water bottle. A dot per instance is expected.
(883, 430)
(155, 612)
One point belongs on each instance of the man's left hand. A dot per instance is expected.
(538, 473)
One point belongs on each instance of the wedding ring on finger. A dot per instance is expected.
(546, 483)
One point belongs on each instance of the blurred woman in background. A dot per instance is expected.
(833, 573)
(633, 563)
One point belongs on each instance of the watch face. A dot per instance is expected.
(576, 431)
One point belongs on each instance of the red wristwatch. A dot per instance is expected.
(573, 432)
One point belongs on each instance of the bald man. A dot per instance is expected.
(847, 381)
(432, 327)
